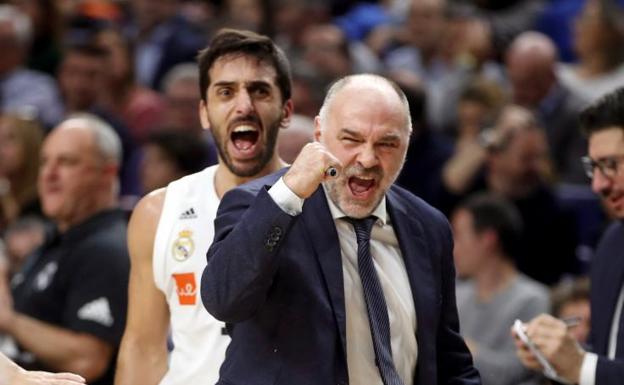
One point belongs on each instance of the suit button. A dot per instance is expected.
(277, 230)
(275, 350)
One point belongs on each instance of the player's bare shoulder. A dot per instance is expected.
(144, 223)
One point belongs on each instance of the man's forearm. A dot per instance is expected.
(61, 349)
(140, 363)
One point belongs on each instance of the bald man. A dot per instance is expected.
(66, 310)
(531, 62)
(338, 279)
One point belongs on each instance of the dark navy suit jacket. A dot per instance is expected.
(277, 281)
(607, 277)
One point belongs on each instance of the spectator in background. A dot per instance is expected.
(500, 21)
(168, 156)
(20, 142)
(291, 140)
(22, 88)
(493, 293)
(480, 103)
(570, 300)
(162, 39)
(515, 165)
(243, 14)
(423, 35)
(427, 150)
(326, 50)
(181, 97)
(598, 42)
(68, 307)
(440, 47)
(531, 66)
(45, 49)
(82, 77)
(139, 108)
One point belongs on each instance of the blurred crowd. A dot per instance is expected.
(495, 90)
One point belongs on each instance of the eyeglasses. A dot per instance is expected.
(608, 165)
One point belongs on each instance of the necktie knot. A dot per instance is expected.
(362, 228)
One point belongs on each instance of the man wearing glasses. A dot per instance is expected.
(603, 122)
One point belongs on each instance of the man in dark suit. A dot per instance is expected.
(604, 365)
(311, 293)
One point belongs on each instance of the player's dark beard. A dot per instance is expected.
(258, 163)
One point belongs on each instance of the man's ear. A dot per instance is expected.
(203, 115)
(287, 112)
(317, 129)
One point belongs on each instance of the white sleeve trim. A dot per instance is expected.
(588, 369)
(285, 198)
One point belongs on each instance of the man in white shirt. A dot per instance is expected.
(603, 122)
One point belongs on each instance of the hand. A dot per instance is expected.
(551, 337)
(23, 377)
(308, 170)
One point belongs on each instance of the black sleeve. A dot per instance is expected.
(97, 293)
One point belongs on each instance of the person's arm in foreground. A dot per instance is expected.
(12, 374)
(143, 353)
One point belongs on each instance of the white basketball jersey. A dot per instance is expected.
(185, 232)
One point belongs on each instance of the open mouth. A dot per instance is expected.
(244, 138)
(361, 187)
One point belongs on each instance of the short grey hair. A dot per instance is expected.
(22, 26)
(188, 72)
(368, 78)
(106, 140)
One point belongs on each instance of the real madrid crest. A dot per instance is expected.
(183, 246)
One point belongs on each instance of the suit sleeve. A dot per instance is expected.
(454, 359)
(609, 372)
(243, 258)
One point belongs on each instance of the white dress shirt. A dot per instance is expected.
(392, 274)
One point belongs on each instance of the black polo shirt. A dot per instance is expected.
(78, 280)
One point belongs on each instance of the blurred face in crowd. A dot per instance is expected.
(11, 150)
(149, 13)
(367, 129)
(607, 146)
(12, 53)
(531, 74)
(523, 160)
(157, 168)
(426, 23)
(469, 249)
(72, 174)
(579, 308)
(81, 78)
(118, 63)
(326, 50)
(182, 97)
(590, 32)
(244, 111)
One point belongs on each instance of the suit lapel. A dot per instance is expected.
(409, 233)
(324, 239)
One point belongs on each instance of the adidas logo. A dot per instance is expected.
(188, 214)
(97, 311)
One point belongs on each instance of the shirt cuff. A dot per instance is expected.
(285, 198)
(588, 369)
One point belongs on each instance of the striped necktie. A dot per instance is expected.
(375, 302)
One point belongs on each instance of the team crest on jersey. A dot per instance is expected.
(183, 246)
